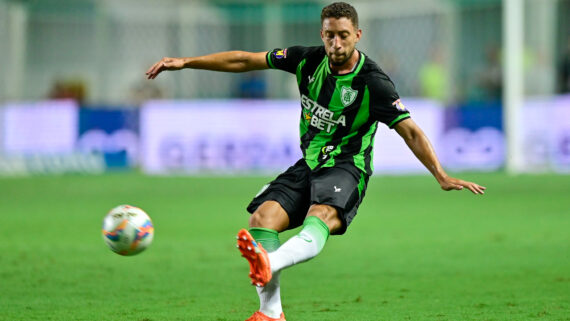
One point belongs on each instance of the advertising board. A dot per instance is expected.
(252, 136)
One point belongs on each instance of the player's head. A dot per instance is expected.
(339, 31)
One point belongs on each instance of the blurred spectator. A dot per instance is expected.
(433, 77)
(491, 78)
(69, 89)
(390, 64)
(538, 78)
(252, 85)
(145, 90)
(564, 84)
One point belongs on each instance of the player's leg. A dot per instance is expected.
(321, 221)
(336, 194)
(264, 226)
(308, 243)
(265, 223)
(269, 215)
(280, 205)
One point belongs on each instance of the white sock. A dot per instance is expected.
(270, 297)
(301, 247)
(270, 294)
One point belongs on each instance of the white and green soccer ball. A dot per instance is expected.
(127, 230)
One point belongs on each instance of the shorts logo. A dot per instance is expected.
(398, 104)
(279, 54)
(347, 95)
(337, 189)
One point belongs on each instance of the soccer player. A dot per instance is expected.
(344, 94)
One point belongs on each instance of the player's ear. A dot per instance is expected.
(358, 35)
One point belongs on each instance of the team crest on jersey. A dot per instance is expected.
(398, 104)
(347, 95)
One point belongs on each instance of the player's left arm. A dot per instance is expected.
(418, 142)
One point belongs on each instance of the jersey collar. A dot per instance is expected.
(355, 70)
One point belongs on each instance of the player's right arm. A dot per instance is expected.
(228, 61)
(386, 107)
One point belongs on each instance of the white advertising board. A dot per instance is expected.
(40, 138)
(219, 136)
(249, 136)
(545, 134)
(40, 127)
(392, 155)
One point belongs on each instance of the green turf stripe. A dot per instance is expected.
(501, 259)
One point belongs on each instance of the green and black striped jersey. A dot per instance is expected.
(340, 113)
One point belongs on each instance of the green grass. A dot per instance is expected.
(414, 252)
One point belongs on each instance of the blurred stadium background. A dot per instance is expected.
(82, 130)
(448, 59)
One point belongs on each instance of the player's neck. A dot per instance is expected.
(348, 66)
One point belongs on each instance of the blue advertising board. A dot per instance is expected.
(473, 137)
(112, 132)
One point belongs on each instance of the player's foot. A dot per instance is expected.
(259, 268)
(259, 316)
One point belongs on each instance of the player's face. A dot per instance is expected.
(340, 37)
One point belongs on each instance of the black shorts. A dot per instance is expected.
(296, 189)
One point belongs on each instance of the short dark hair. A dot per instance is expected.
(339, 10)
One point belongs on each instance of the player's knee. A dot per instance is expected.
(266, 220)
(269, 216)
(257, 219)
(328, 214)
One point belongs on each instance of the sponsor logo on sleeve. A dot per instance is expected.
(398, 104)
(280, 54)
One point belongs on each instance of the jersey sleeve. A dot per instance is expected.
(286, 59)
(385, 103)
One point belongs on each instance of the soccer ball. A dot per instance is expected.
(127, 230)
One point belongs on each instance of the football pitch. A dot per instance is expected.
(413, 252)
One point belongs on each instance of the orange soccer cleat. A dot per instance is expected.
(259, 268)
(259, 316)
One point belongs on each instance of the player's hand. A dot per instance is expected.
(165, 63)
(451, 183)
